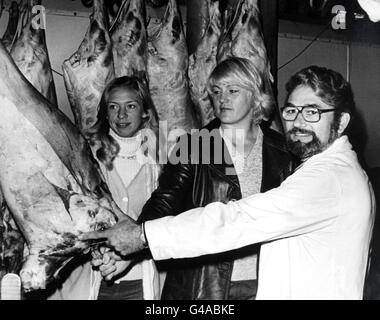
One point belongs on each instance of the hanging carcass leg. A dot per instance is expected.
(48, 176)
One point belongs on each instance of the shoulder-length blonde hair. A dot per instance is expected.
(99, 133)
(243, 73)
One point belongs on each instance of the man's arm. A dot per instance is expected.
(303, 203)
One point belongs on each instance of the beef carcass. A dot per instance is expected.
(203, 61)
(129, 40)
(13, 20)
(89, 69)
(243, 37)
(48, 176)
(167, 72)
(31, 57)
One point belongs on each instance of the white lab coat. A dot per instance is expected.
(315, 228)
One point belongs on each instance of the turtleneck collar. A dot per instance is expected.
(127, 145)
(114, 135)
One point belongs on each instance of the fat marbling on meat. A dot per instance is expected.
(242, 37)
(30, 54)
(167, 72)
(203, 61)
(49, 179)
(129, 40)
(89, 69)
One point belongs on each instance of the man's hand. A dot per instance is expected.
(124, 237)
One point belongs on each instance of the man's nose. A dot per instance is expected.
(299, 121)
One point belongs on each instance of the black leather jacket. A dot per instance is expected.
(189, 185)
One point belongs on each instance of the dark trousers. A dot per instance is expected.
(243, 290)
(125, 290)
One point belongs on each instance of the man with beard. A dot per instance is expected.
(315, 228)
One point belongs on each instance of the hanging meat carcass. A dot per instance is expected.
(129, 40)
(89, 69)
(167, 71)
(31, 56)
(13, 20)
(203, 61)
(48, 176)
(243, 37)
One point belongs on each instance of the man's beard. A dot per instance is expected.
(315, 146)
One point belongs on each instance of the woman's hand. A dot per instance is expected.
(110, 264)
(114, 268)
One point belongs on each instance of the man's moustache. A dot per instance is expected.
(300, 131)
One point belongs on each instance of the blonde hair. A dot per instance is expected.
(243, 73)
(99, 133)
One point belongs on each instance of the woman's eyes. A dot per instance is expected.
(113, 106)
(231, 91)
(116, 107)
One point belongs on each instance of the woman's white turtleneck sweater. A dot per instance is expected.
(126, 162)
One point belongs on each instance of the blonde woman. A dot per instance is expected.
(124, 141)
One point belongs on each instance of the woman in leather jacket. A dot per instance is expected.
(235, 155)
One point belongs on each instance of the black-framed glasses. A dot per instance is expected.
(310, 112)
